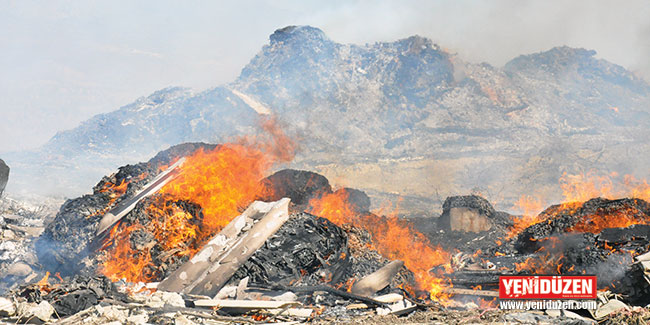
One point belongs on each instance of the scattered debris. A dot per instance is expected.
(275, 262)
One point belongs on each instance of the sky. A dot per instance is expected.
(62, 62)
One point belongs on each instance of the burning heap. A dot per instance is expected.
(331, 237)
(328, 241)
(166, 229)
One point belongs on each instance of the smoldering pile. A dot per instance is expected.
(602, 237)
(307, 251)
(331, 266)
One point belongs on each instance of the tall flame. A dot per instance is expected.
(578, 188)
(392, 237)
(222, 182)
(531, 207)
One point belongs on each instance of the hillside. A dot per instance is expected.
(403, 117)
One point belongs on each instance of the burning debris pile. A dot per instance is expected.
(301, 253)
(199, 232)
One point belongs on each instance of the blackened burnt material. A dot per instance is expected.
(560, 219)
(298, 185)
(73, 295)
(65, 242)
(306, 248)
(470, 213)
(4, 175)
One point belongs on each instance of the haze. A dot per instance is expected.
(64, 61)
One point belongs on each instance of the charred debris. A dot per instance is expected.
(276, 261)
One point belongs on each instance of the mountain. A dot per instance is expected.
(403, 117)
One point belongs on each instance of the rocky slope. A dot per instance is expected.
(401, 117)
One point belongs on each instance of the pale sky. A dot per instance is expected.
(62, 62)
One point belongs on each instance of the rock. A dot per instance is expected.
(12, 219)
(608, 308)
(30, 231)
(161, 298)
(8, 246)
(7, 307)
(466, 213)
(111, 313)
(298, 185)
(30, 312)
(4, 175)
(569, 314)
(359, 200)
(137, 319)
(8, 235)
(226, 292)
(287, 296)
(180, 319)
(19, 269)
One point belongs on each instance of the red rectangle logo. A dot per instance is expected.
(547, 287)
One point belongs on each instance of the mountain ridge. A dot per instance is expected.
(388, 100)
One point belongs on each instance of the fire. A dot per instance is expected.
(548, 259)
(487, 304)
(620, 218)
(531, 207)
(392, 237)
(335, 207)
(43, 282)
(582, 187)
(124, 262)
(222, 181)
(639, 189)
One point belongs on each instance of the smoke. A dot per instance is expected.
(62, 64)
(497, 31)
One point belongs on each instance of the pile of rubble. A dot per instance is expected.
(21, 223)
(276, 262)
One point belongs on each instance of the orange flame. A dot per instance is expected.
(582, 187)
(531, 208)
(43, 281)
(619, 218)
(549, 259)
(392, 237)
(222, 182)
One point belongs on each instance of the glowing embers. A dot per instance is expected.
(611, 216)
(579, 188)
